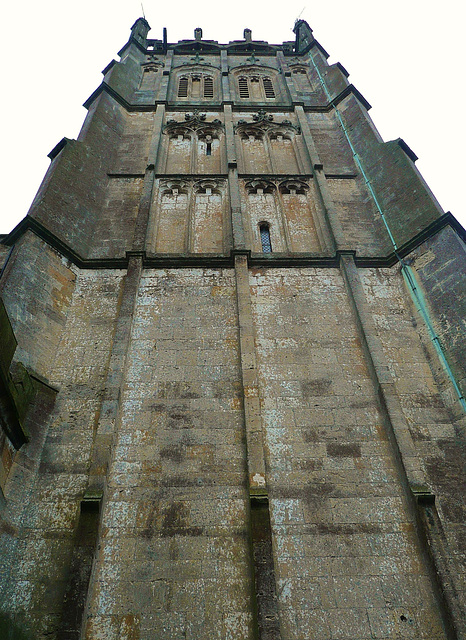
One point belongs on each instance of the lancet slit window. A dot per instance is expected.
(265, 237)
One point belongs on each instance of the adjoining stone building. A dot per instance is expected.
(232, 359)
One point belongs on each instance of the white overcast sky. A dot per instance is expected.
(404, 56)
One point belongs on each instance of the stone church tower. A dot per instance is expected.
(231, 364)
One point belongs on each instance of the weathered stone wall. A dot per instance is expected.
(347, 558)
(173, 559)
(37, 289)
(435, 421)
(119, 212)
(440, 267)
(50, 473)
(4, 251)
(409, 207)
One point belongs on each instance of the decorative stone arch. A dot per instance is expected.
(298, 214)
(281, 159)
(247, 133)
(300, 77)
(173, 187)
(264, 122)
(293, 186)
(197, 130)
(209, 187)
(170, 225)
(207, 215)
(150, 78)
(298, 68)
(176, 132)
(264, 209)
(260, 186)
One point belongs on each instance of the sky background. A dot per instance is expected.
(403, 56)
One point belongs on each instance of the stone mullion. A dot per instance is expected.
(233, 183)
(144, 211)
(284, 221)
(268, 153)
(226, 221)
(409, 463)
(193, 153)
(329, 223)
(190, 221)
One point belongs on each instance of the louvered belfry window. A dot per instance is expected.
(268, 88)
(196, 86)
(208, 87)
(265, 237)
(183, 88)
(256, 88)
(243, 88)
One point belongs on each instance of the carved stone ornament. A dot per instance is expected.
(153, 63)
(195, 121)
(293, 186)
(173, 187)
(260, 185)
(266, 185)
(262, 121)
(262, 116)
(197, 59)
(209, 186)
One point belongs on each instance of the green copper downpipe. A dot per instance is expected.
(408, 274)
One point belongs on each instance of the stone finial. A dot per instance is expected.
(198, 33)
(247, 33)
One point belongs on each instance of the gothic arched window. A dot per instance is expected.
(266, 242)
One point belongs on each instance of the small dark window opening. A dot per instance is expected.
(265, 237)
(208, 149)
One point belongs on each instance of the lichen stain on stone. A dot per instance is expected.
(175, 521)
(129, 628)
(63, 291)
(319, 387)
